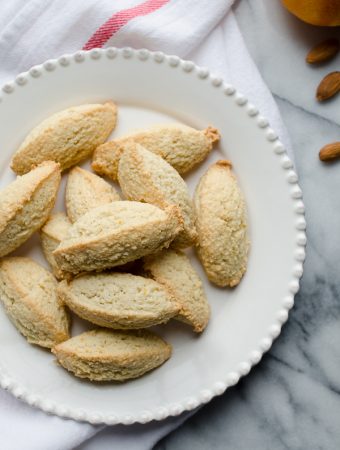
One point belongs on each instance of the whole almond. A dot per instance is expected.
(330, 152)
(324, 51)
(328, 87)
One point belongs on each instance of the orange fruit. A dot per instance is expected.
(316, 12)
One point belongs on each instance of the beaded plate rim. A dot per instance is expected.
(231, 378)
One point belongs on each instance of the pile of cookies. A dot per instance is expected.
(119, 261)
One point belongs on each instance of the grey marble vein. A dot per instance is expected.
(279, 43)
(291, 400)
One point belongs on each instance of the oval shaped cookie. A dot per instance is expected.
(181, 146)
(25, 205)
(29, 294)
(173, 270)
(67, 137)
(146, 177)
(106, 355)
(116, 233)
(118, 300)
(51, 234)
(85, 191)
(222, 227)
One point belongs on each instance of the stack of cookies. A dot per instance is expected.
(117, 259)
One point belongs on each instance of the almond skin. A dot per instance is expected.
(328, 87)
(330, 152)
(324, 51)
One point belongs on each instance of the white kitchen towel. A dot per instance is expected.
(32, 31)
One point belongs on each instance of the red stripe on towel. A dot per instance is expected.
(119, 19)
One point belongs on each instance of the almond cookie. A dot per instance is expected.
(29, 294)
(85, 191)
(181, 146)
(173, 270)
(106, 355)
(118, 300)
(116, 233)
(25, 205)
(222, 227)
(51, 234)
(67, 137)
(146, 177)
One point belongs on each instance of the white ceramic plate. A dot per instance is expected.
(153, 88)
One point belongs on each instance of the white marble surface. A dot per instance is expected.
(292, 398)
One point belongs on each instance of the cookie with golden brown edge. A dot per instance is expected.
(26, 203)
(118, 300)
(222, 225)
(114, 234)
(66, 137)
(173, 270)
(107, 355)
(85, 191)
(181, 146)
(29, 295)
(146, 177)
